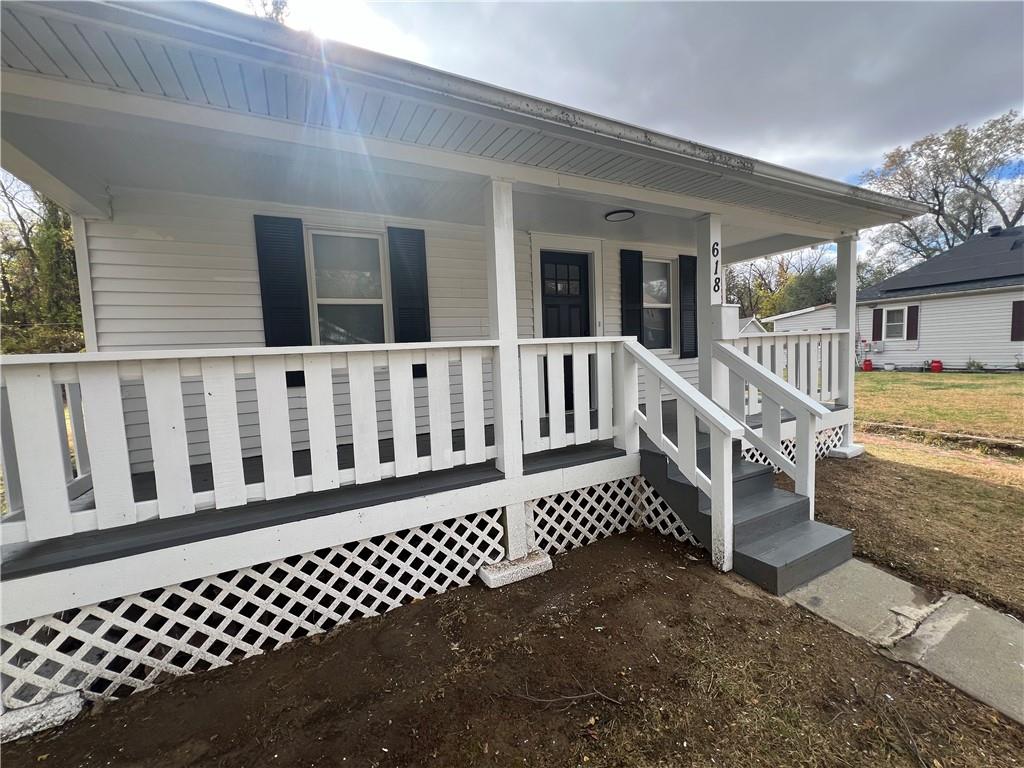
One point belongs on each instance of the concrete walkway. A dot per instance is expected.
(970, 646)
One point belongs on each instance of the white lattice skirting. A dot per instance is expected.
(120, 646)
(574, 519)
(827, 439)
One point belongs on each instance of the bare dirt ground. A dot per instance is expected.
(630, 653)
(944, 517)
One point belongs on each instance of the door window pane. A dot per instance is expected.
(656, 288)
(351, 323)
(657, 328)
(347, 267)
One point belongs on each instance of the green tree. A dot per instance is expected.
(40, 310)
(969, 179)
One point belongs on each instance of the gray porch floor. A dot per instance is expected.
(95, 546)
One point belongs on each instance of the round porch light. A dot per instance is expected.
(623, 214)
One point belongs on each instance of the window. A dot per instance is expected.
(657, 295)
(895, 324)
(348, 288)
(562, 280)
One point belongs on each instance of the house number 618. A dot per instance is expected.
(716, 270)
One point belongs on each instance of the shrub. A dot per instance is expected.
(975, 366)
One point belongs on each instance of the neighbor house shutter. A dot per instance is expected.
(876, 325)
(631, 281)
(283, 287)
(1017, 321)
(410, 307)
(913, 313)
(687, 306)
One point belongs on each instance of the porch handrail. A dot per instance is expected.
(691, 405)
(776, 394)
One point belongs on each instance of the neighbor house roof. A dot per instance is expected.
(795, 313)
(991, 259)
(208, 56)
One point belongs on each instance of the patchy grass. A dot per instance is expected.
(984, 404)
(628, 653)
(947, 518)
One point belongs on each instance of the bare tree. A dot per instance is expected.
(968, 178)
(272, 10)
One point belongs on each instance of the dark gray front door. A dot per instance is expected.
(565, 297)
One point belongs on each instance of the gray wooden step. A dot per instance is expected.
(793, 556)
(776, 544)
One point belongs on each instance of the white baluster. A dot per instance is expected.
(581, 392)
(473, 404)
(530, 356)
(38, 433)
(556, 395)
(166, 410)
(363, 396)
(439, 404)
(104, 424)
(605, 392)
(323, 436)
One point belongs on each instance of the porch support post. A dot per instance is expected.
(522, 559)
(846, 320)
(712, 320)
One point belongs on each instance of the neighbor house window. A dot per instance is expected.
(349, 283)
(895, 324)
(657, 322)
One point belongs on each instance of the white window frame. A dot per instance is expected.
(673, 298)
(385, 279)
(885, 322)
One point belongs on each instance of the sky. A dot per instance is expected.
(822, 87)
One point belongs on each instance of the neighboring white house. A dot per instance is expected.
(359, 330)
(962, 305)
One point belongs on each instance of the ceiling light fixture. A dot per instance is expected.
(624, 214)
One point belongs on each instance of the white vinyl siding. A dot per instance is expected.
(809, 321)
(953, 329)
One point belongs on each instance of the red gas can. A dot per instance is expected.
(936, 366)
(866, 365)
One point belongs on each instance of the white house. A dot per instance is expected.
(962, 305)
(358, 330)
(749, 326)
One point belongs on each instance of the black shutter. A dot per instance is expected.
(283, 287)
(687, 306)
(913, 313)
(876, 325)
(1017, 321)
(410, 308)
(631, 280)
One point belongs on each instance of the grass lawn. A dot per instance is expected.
(947, 518)
(628, 653)
(983, 404)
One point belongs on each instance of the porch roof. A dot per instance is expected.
(207, 56)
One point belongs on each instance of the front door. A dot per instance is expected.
(565, 296)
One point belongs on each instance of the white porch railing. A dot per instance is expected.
(681, 449)
(746, 378)
(543, 368)
(42, 480)
(809, 362)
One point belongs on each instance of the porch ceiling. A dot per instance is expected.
(208, 57)
(105, 155)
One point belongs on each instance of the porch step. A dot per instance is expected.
(775, 543)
